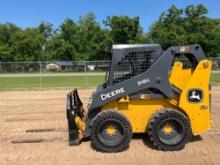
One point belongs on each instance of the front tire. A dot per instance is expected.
(111, 132)
(169, 130)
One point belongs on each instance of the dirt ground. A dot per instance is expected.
(22, 112)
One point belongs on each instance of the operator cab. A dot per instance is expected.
(130, 60)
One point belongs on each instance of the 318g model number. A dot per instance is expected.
(142, 82)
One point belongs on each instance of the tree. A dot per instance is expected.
(186, 26)
(169, 29)
(27, 45)
(200, 28)
(62, 45)
(86, 39)
(94, 42)
(6, 32)
(46, 29)
(124, 30)
(216, 45)
(5, 53)
(58, 49)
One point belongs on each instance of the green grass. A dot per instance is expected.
(19, 82)
(49, 82)
(68, 81)
(215, 78)
(10, 83)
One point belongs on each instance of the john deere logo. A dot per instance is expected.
(195, 95)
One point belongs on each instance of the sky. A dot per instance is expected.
(29, 13)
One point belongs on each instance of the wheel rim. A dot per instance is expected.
(111, 133)
(171, 132)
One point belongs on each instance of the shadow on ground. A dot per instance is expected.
(145, 140)
(149, 144)
(196, 138)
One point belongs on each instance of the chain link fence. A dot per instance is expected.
(63, 74)
(59, 74)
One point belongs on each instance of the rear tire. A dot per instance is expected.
(111, 132)
(169, 130)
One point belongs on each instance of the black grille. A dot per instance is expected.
(132, 64)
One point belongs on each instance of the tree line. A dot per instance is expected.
(86, 39)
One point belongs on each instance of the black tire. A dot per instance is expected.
(169, 130)
(101, 140)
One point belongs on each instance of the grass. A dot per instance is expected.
(10, 83)
(49, 82)
(215, 78)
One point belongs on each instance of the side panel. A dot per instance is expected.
(139, 111)
(198, 112)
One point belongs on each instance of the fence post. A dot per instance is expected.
(86, 76)
(41, 81)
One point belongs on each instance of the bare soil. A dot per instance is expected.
(33, 130)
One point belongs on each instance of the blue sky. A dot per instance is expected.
(29, 13)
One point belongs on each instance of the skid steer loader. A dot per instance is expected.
(165, 94)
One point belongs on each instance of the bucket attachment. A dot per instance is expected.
(75, 114)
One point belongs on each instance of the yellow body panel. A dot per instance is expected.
(179, 77)
(139, 111)
(198, 113)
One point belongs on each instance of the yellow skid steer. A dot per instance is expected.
(165, 94)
